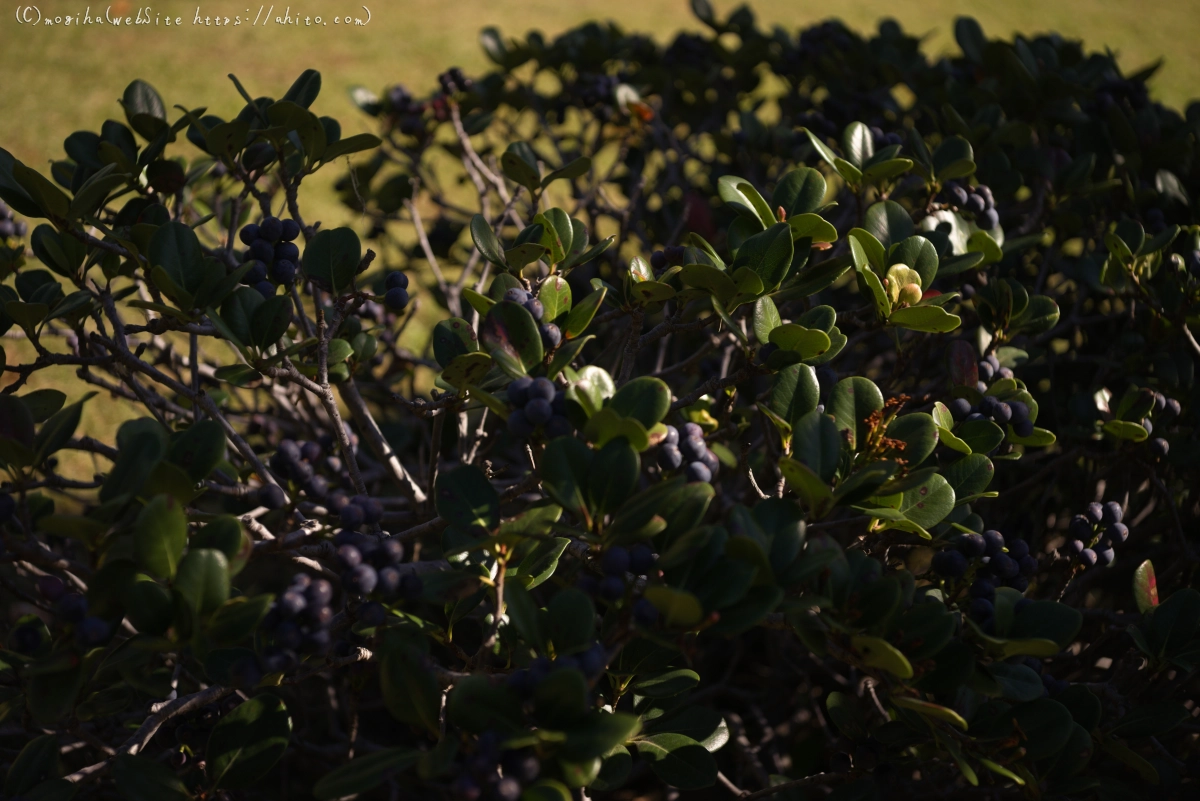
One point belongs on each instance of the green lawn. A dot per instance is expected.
(57, 80)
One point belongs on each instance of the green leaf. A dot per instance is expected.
(37, 762)
(176, 249)
(888, 222)
(139, 778)
(879, 653)
(524, 254)
(981, 436)
(665, 684)
(745, 199)
(678, 760)
(1150, 719)
(857, 144)
(364, 773)
(1047, 620)
(851, 402)
(519, 164)
(969, 475)
(508, 326)
(555, 296)
(953, 158)
(410, 691)
(138, 455)
(465, 498)
(58, 430)
(199, 448)
(817, 444)
(581, 315)
(613, 474)
(929, 319)
(1044, 726)
(929, 710)
(202, 579)
(919, 434)
(348, 146)
(813, 227)
(768, 253)
(766, 319)
(1123, 429)
(577, 168)
(646, 399)
(571, 620)
(472, 368)
(561, 699)
(709, 278)
(159, 536)
(248, 741)
(799, 191)
(1017, 682)
(564, 471)
(452, 338)
(332, 258)
(928, 504)
(679, 608)
(1145, 587)
(270, 321)
(807, 342)
(238, 617)
(475, 704)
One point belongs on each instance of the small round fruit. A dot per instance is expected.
(360, 580)
(396, 299)
(1017, 548)
(519, 425)
(971, 545)
(1020, 411)
(1087, 557)
(248, 234)
(697, 471)
(551, 335)
(672, 437)
(518, 391)
(52, 588)
(558, 426)
(538, 412)
(693, 449)
(535, 308)
(612, 588)
(396, 280)
(72, 607)
(287, 251)
(290, 231)
(352, 516)
(283, 272)
(993, 542)
(263, 250)
(516, 295)
(270, 229)
(982, 608)
(542, 388)
(1004, 566)
(8, 507)
(959, 408)
(256, 273)
(1024, 428)
(658, 260)
(271, 496)
(615, 561)
(669, 457)
(1002, 413)
(1159, 447)
(1112, 513)
(266, 289)
(93, 631)
(641, 559)
(949, 564)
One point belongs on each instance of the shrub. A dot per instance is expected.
(857, 491)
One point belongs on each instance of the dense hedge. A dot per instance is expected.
(810, 420)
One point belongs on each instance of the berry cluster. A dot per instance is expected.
(992, 562)
(502, 774)
(537, 403)
(271, 253)
(299, 461)
(991, 408)
(71, 608)
(616, 563)
(396, 291)
(9, 226)
(976, 199)
(8, 507)
(1095, 533)
(551, 335)
(453, 81)
(298, 623)
(1165, 410)
(700, 463)
(670, 256)
(372, 566)
(1051, 685)
(882, 140)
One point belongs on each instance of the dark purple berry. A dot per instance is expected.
(644, 612)
(396, 299)
(615, 561)
(1094, 513)
(270, 229)
(1112, 513)
(535, 308)
(1020, 411)
(949, 564)
(349, 556)
(519, 425)
(93, 631)
(283, 272)
(641, 560)
(1080, 528)
(981, 608)
(8, 507)
(1159, 447)
(993, 542)
(551, 335)
(1002, 413)
(672, 437)
(658, 260)
(248, 234)
(292, 602)
(1087, 557)
(693, 449)
(1017, 548)
(52, 588)
(72, 607)
(518, 391)
(396, 280)
(1004, 566)
(372, 614)
(360, 580)
(508, 789)
(1117, 533)
(266, 289)
(542, 388)
(289, 230)
(1105, 556)
(352, 515)
(287, 251)
(389, 581)
(971, 545)
(697, 471)
(959, 408)
(538, 412)
(1028, 565)
(982, 588)
(612, 588)
(263, 251)
(516, 295)
(271, 496)
(558, 426)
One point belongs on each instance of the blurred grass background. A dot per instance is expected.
(60, 79)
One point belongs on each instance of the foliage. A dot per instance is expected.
(859, 489)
